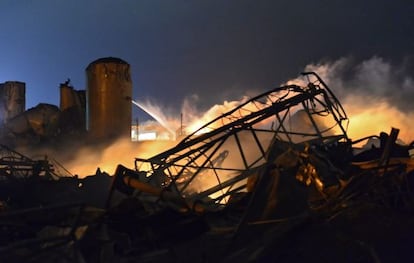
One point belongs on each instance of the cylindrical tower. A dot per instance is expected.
(108, 95)
(72, 108)
(67, 98)
(12, 99)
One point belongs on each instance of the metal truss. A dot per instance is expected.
(15, 165)
(215, 161)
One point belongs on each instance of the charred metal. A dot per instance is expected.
(276, 179)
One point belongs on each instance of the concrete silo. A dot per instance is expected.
(12, 99)
(108, 98)
(67, 96)
(72, 108)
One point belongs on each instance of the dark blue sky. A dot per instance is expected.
(215, 49)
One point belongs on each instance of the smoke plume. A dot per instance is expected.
(375, 93)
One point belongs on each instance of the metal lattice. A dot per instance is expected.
(214, 161)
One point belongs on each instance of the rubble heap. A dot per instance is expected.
(276, 179)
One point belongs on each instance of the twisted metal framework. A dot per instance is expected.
(215, 161)
(15, 165)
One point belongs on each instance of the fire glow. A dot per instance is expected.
(368, 115)
(376, 117)
(375, 94)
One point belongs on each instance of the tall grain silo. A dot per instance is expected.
(12, 99)
(108, 95)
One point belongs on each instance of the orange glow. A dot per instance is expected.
(366, 118)
(365, 97)
(197, 120)
(372, 117)
(121, 152)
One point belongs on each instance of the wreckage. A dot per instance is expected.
(234, 190)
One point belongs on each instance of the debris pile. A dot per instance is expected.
(28, 183)
(276, 179)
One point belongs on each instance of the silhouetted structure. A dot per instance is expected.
(108, 96)
(12, 99)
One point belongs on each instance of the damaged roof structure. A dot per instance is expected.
(275, 179)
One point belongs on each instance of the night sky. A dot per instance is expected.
(218, 50)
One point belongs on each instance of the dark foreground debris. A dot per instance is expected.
(274, 180)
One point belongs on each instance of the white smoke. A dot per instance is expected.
(190, 116)
(375, 93)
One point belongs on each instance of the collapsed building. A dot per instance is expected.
(274, 179)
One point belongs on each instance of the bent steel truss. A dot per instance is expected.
(215, 161)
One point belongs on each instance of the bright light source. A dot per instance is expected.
(147, 136)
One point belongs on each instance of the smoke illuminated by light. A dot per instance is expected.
(121, 152)
(375, 94)
(198, 120)
(152, 111)
(369, 97)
